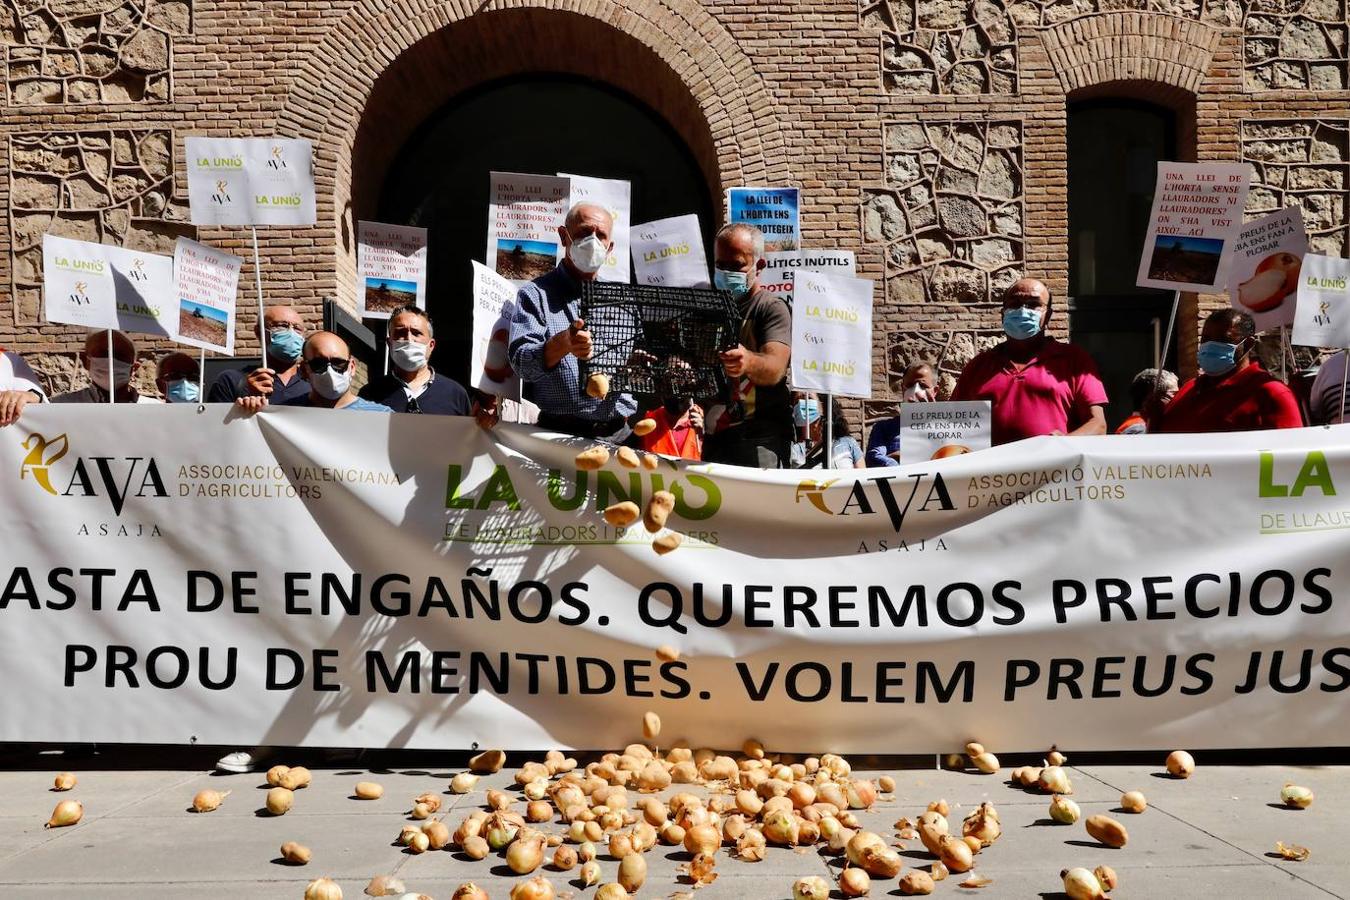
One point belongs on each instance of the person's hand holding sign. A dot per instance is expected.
(261, 382)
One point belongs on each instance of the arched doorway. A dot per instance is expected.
(539, 124)
(1115, 142)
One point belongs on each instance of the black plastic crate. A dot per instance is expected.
(659, 341)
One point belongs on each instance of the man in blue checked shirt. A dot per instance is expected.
(548, 335)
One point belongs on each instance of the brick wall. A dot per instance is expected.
(849, 99)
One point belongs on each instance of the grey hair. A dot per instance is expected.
(756, 236)
(574, 214)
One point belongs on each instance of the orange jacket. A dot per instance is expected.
(662, 438)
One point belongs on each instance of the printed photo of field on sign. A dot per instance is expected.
(1185, 259)
(385, 295)
(525, 260)
(203, 323)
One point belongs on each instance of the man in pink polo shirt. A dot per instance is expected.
(1037, 385)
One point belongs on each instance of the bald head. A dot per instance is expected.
(325, 344)
(1024, 288)
(592, 214)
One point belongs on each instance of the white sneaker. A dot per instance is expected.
(239, 762)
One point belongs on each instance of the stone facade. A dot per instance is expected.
(929, 136)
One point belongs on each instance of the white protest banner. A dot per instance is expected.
(944, 428)
(832, 334)
(1263, 275)
(777, 276)
(774, 211)
(391, 267)
(1322, 316)
(207, 282)
(1197, 214)
(103, 286)
(616, 196)
(494, 300)
(453, 585)
(250, 181)
(669, 253)
(524, 212)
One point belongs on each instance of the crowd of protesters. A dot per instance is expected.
(1035, 384)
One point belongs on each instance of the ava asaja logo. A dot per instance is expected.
(874, 496)
(116, 478)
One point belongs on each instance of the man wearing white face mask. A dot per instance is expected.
(414, 386)
(919, 385)
(94, 358)
(1036, 384)
(548, 336)
(327, 364)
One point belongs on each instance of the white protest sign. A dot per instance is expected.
(494, 301)
(777, 276)
(945, 428)
(102, 286)
(524, 213)
(774, 211)
(391, 267)
(452, 585)
(1197, 214)
(1322, 317)
(250, 181)
(832, 334)
(207, 282)
(1263, 275)
(669, 253)
(616, 196)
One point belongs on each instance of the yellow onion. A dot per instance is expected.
(721, 768)
(420, 811)
(469, 891)
(1063, 810)
(67, 812)
(974, 749)
(499, 835)
(733, 827)
(419, 843)
(859, 843)
(586, 852)
(497, 800)
(536, 888)
(1107, 830)
(1180, 764)
(1055, 780)
(274, 775)
(1055, 758)
(463, 783)
(812, 887)
(621, 845)
(672, 835)
(279, 801)
(1106, 876)
(955, 854)
(644, 837)
(295, 853)
(986, 762)
(886, 783)
(576, 832)
(854, 883)
(632, 872)
(1030, 777)
(294, 778)
(406, 833)
(838, 843)
(983, 825)
(916, 883)
(470, 827)
(431, 801)
(323, 889)
(488, 762)
(564, 859)
(653, 777)
(751, 846)
(536, 790)
(802, 795)
(807, 832)
(65, 781)
(938, 871)
(610, 891)
(475, 847)
(538, 811)
(590, 873)
(881, 862)
(525, 855)
(385, 886)
(861, 794)
(208, 800)
(1133, 802)
(1296, 797)
(833, 794)
(368, 790)
(702, 839)
(781, 828)
(438, 834)
(1081, 884)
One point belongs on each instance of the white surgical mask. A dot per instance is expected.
(409, 356)
(98, 372)
(588, 254)
(331, 385)
(917, 393)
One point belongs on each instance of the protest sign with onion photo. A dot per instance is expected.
(1263, 275)
(944, 428)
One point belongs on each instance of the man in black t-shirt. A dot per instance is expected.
(752, 424)
(412, 386)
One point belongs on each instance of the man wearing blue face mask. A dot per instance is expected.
(279, 379)
(1232, 391)
(413, 386)
(1036, 384)
(178, 378)
(752, 424)
(548, 336)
